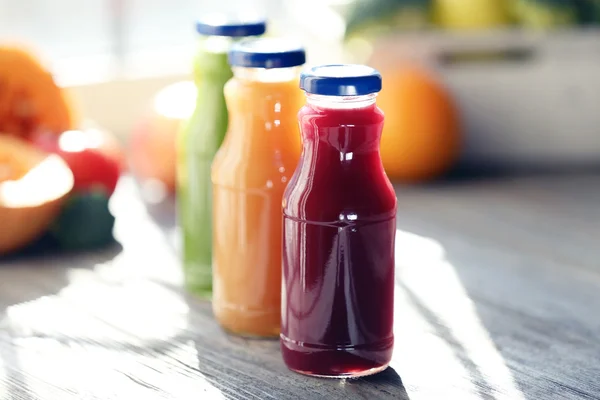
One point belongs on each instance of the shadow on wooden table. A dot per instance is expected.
(388, 382)
(47, 267)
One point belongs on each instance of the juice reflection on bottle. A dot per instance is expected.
(249, 175)
(198, 142)
(339, 230)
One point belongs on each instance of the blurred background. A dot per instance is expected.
(522, 73)
(475, 85)
(489, 53)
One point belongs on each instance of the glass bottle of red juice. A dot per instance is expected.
(339, 230)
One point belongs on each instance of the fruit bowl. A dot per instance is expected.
(33, 186)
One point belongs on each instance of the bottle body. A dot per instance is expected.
(338, 251)
(197, 145)
(249, 176)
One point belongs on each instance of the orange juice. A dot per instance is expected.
(249, 175)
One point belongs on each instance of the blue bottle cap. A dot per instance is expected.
(341, 80)
(223, 25)
(267, 53)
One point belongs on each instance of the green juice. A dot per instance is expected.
(198, 141)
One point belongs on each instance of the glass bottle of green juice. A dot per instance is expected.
(199, 140)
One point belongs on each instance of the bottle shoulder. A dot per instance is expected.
(344, 201)
(238, 170)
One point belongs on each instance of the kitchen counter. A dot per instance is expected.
(498, 297)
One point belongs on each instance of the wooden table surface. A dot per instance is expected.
(498, 297)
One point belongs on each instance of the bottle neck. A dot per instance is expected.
(340, 102)
(263, 103)
(336, 125)
(215, 44)
(210, 67)
(260, 98)
(266, 75)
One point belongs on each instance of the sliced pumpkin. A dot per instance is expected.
(30, 99)
(33, 187)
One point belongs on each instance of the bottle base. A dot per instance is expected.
(344, 375)
(200, 290)
(251, 324)
(336, 361)
(198, 280)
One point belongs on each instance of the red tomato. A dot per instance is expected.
(100, 139)
(81, 150)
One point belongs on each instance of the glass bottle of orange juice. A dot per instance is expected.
(249, 174)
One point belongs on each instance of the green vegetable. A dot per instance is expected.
(374, 17)
(85, 222)
(545, 14)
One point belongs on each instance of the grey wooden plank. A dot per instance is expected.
(498, 292)
(532, 276)
(142, 338)
(555, 218)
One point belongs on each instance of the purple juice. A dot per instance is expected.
(338, 244)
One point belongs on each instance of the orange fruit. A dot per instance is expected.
(152, 143)
(421, 137)
(152, 152)
(30, 100)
